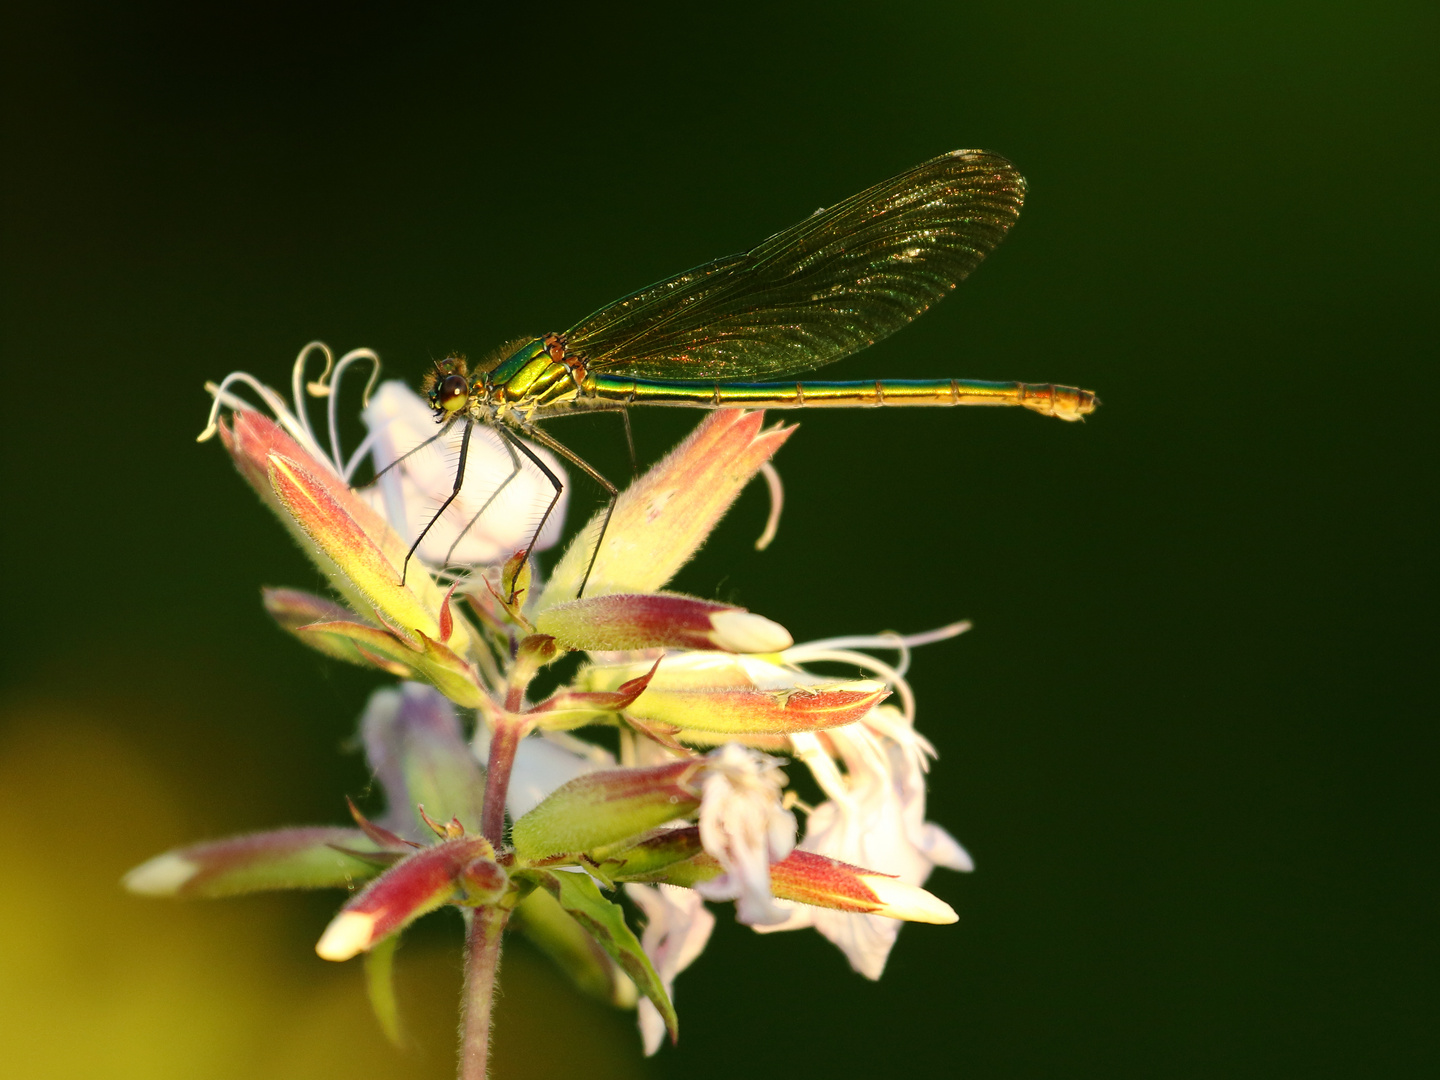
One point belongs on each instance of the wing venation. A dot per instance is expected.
(843, 278)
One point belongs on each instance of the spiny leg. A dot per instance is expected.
(514, 472)
(459, 482)
(629, 443)
(614, 493)
(413, 450)
(559, 490)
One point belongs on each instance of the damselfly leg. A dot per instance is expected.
(454, 493)
(514, 472)
(610, 489)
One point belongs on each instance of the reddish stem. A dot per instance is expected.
(482, 969)
(503, 741)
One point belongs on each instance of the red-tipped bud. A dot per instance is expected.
(295, 611)
(745, 711)
(660, 520)
(813, 879)
(416, 885)
(427, 659)
(675, 856)
(283, 859)
(625, 621)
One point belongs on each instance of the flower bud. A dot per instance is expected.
(801, 877)
(428, 659)
(672, 508)
(312, 858)
(747, 711)
(813, 879)
(416, 885)
(626, 621)
(602, 808)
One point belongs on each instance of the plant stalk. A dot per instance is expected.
(482, 970)
(503, 742)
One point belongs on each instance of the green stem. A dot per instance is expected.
(482, 969)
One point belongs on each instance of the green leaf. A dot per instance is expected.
(605, 922)
(551, 930)
(380, 986)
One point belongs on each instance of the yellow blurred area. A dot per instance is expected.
(97, 983)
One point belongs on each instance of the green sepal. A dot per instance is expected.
(548, 927)
(656, 856)
(606, 807)
(432, 662)
(605, 923)
(380, 987)
(294, 609)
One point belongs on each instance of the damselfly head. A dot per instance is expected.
(447, 388)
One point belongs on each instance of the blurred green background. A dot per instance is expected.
(1185, 742)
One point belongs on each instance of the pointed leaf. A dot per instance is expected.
(555, 933)
(605, 922)
(572, 708)
(380, 987)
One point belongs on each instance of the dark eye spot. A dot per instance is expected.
(452, 387)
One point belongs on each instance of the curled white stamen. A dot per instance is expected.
(332, 391)
(297, 422)
(317, 388)
(902, 643)
(223, 397)
(777, 503)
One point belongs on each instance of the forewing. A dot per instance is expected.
(843, 278)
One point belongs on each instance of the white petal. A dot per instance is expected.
(745, 827)
(677, 926)
(409, 494)
(161, 876)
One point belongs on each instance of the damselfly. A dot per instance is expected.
(840, 280)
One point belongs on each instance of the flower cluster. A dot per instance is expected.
(508, 814)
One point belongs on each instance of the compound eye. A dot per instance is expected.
(452, 393)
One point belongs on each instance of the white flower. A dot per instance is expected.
(500, 502)
(745, 828)
(875, 812)
(500, 514)
(677, 926)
